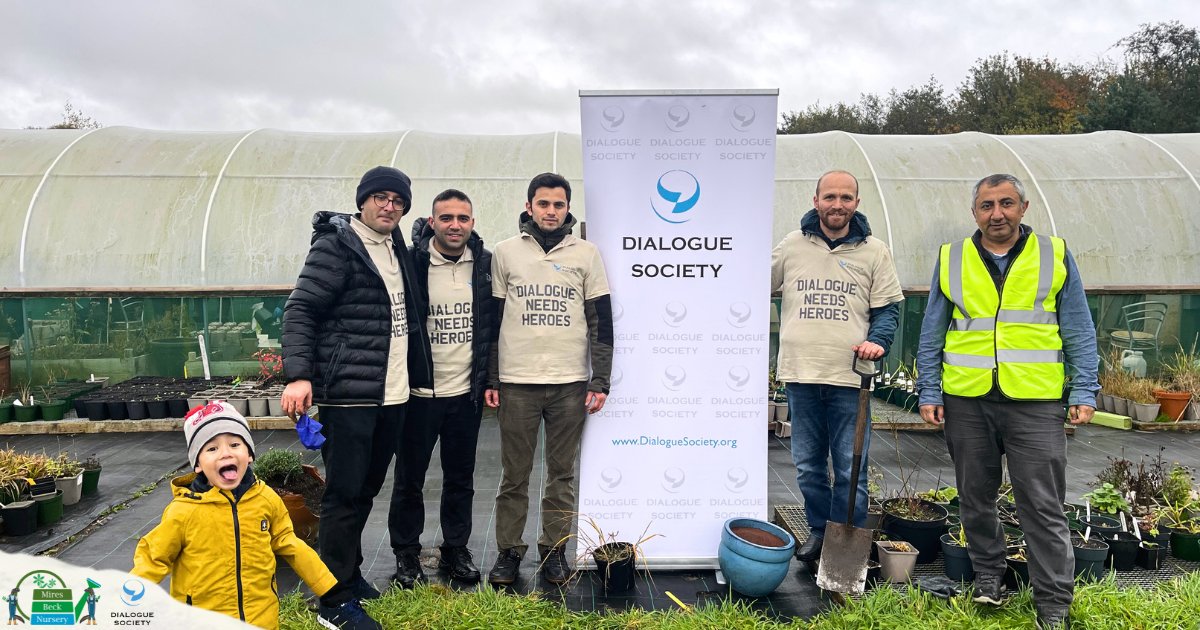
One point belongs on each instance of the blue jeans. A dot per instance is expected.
(823, 419)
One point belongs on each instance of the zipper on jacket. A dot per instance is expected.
(237, 547)
(333, 365)
(996, 328)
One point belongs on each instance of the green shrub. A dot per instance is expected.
(277, 466)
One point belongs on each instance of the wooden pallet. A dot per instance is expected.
(1185, 426)
(74, 425)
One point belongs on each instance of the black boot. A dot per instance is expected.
(456, 562)
(508, 565)
(555, 569)
(408, 570)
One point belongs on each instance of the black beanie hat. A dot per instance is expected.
(385, 178)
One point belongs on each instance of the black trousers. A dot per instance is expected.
(358, 449)
(455, 421)
(1030, 436)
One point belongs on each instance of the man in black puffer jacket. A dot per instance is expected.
(354, 341)
(454, 277)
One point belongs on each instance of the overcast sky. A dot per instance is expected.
(491, 66)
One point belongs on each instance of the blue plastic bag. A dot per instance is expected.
(309, 431)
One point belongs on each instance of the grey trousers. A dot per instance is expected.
(523, 409)
(1030, 434)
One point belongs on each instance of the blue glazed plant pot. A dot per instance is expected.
(754, 569)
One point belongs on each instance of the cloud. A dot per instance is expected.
(487, 67)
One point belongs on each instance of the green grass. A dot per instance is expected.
(1100, 606)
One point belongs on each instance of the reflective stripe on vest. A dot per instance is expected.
(1014, 334)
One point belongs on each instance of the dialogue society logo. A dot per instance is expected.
(612, 118)
(673, 377)
(677, 117)
(43, 598)
(610, 478)
(676, 194)
(742, 117)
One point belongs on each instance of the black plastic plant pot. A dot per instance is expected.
(1151, 558)
(177, 407)
(957, 560)
(20, 518)
(157, 408)
(1017, 574)
(42, 486)
(1090, 557)
(1122, 551)
(923, 535)
(117, 410)
(1101, 524)
(617, 577)
(95, 410)
(137, 410)
(80, 407)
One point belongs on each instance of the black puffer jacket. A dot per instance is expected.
(337, 324)
(483, 307)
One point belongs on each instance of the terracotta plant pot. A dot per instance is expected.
(1174, 404)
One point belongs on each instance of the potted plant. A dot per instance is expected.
(6, 409)
(298, 485)
(954, 552)
(1122, 551)
(68, 477)
(24, 406)
(49, 407)
(1017, 573)
(1151, 555)
(896, 560)
(1107, 499)
(616, 559)
(752, 568)
(40, 472)
(1183, 373)
(91, 476)
(944, 496)
(917, 521)
(1144, 406)
(1185, 540)
(1090, 555)
(20, 514)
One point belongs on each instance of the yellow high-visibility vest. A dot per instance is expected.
(1012, 334)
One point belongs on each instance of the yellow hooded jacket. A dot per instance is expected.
(220, 552)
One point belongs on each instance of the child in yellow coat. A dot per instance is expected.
(219, 536)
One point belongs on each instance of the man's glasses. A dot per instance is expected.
(383, 200)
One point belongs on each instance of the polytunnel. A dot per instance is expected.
(216, 225)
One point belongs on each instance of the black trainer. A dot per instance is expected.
(508, 565)
(348, 616)
(811, 549)
(989, 589)
(555, 569)
(457, 563)
(1054, 622)
(364, 590)
(408, 570)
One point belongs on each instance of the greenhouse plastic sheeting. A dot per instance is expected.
(131, 208)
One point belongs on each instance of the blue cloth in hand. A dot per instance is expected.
(309, 431)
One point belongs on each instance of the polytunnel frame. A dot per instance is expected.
(279, 289)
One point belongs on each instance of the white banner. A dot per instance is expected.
(680, 190)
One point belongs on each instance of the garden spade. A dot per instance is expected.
(846, 549)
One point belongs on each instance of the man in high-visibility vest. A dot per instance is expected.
(1006, 331)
